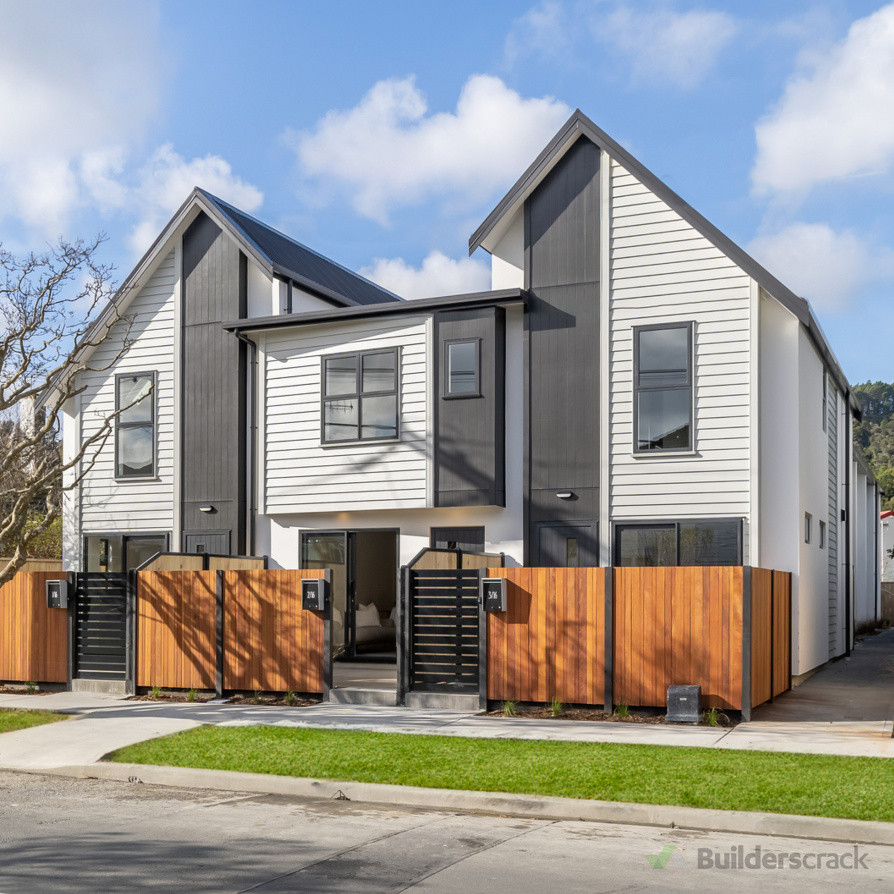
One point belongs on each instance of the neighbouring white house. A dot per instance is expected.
(886, 558)
(633, 390)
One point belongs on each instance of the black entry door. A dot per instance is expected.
(566, 545)
(101, 626)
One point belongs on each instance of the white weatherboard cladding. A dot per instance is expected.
(662, 270)
(107, 505)
(302, 475)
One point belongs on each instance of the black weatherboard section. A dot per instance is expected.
(561, 344)
(470, 429)
(214, 370)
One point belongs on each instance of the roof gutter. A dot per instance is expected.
(502, 297)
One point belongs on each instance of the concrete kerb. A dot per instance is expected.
(494, 803)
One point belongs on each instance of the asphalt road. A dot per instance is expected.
(59, 834)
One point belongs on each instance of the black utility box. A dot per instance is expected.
(313, 594)
(493, 594)
(57, 594)
(684, 704)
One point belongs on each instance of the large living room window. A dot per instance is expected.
(696, 542)
(360, 396)
(135, 425)
(662, 388)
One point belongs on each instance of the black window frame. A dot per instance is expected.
(689, 326)
(433, 531)
(825, 400)
(123, 538)
(446, 393)
(822, 534)
(675, 524)
(358, 395)
(119, 425)
(808, 527)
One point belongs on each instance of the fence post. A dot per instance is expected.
(130, 633)
(772, 635)
(219, 637)
(746, 644)
(403, 637)
(608, 652)
(482, 645)
(72, 624)
(327, 635)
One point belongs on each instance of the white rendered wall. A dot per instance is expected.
(887, 545)
(813, 478)
(865, 591)
(107, 505)
(508, 256)
(262, 300)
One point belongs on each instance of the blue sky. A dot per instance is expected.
(382, 133)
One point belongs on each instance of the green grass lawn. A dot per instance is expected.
(858, 788)
(12, 719)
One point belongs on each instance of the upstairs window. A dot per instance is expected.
(462, 365)
(135, 426)
(662, 388)
(360, 401)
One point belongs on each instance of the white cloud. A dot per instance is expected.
(826, 267)
(438, 275)
(77, 80)
(661, 47)
(835, 117)
(389, 151)
(666, 47)
(168, 178)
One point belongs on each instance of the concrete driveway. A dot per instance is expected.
(858, 689)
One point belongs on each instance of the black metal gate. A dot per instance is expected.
(443, 626)
(101, 636)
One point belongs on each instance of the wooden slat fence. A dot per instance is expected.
(551, 641)
(176, 629)
(270, 642)
(771, 657)
(33, 638)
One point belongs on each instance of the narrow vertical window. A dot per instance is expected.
(135, 426)
(808, 524)
(825, 400)
(822, 535)
(462, 364)
(662, 388)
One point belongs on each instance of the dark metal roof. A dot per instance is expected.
(448, 302)
(579, 125)
(306, 267)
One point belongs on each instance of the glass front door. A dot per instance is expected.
(330, 550)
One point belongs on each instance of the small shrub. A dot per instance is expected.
(256, 698)
(191, 695)
(510, 708)
(715, 717)
(31, 687)
(155, 693)
(623, 711)
(557, 708)
(290, 698)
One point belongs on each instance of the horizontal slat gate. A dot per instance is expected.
(101, 626)
(443, 608)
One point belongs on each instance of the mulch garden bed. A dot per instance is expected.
(275, 701)
(640, 715)
(18, 690)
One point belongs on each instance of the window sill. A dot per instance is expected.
(367, 442)
(136, 478)
(658, 454)
(461, 396)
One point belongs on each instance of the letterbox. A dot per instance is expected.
(57, 594)
(683, 704)
(493, 594)
(313, 594)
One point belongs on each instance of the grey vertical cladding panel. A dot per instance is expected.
(470, 432)
(562, 331)
(214, 398)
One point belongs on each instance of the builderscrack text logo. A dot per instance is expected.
(738, 857)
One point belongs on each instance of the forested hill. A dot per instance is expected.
(875, 434)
